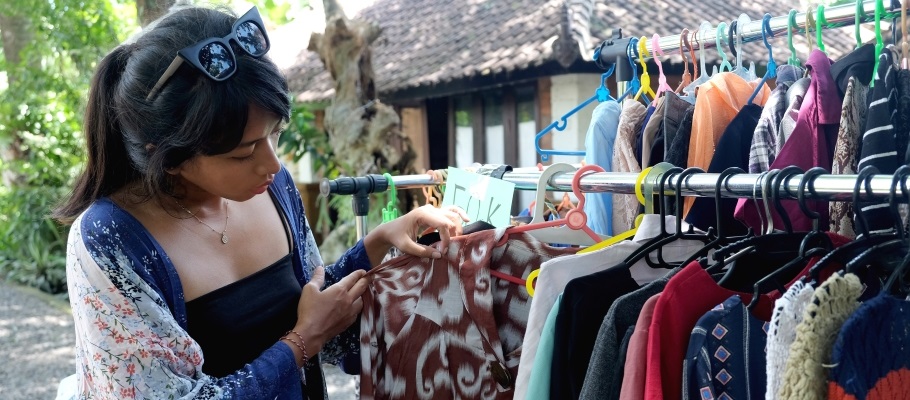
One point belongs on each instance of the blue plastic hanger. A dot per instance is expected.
(635, 83)
(772, 65)
(601, 94)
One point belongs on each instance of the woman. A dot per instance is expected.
(192, 272)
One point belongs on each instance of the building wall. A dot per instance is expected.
(566, 93)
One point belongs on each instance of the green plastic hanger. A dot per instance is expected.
(820, 23)
(791, 27)
(722, 32)
(879, 43)
(860, 11)
(390, 212)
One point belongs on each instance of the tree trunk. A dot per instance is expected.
(150, 10)
(16, 32)
(364, 132)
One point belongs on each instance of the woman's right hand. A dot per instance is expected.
(323, 314)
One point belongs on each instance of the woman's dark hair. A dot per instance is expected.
(133, 140)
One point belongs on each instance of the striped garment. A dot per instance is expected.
(879, 141)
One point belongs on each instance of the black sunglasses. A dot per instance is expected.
(214, 56)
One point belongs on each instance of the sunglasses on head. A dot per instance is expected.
(214, 56)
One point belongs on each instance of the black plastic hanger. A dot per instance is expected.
(842, 255)
(887, 256)
(665, 237)
(719, 238)
(897, 283)
(815, 243)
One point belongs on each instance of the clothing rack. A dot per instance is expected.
(614, 51)
(823, 187)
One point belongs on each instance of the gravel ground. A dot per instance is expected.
(36, 347)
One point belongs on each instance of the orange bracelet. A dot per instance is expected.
(300, 345)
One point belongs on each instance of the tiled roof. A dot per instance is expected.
(426, 42)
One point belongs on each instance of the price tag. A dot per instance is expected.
(483, 198)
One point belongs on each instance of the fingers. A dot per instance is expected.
(416, 249)
(318, 278)
(359, 287)
(461, 213)
(348, 282)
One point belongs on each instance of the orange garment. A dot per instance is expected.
(716, 103)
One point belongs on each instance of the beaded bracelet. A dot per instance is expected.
(299, 345)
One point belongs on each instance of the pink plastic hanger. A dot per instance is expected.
(572, 229)
(662, 85)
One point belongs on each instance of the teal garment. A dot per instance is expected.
(539, 384)
(599, 151)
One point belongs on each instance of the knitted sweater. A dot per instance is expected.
(871, 356)
(832, 303)
(788, 313)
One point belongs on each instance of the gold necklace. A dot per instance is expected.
(223, 233)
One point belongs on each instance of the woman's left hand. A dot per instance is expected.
(402, 232)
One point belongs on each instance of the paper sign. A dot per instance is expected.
(483, 198)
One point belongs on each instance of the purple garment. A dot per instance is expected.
(810, 145)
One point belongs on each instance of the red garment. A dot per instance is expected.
(446, 328)
(690, 294)
(636, 370)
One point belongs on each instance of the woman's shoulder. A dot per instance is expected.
(108, 229)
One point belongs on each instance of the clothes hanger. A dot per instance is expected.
(662, 206)
(701, 79)
(775, 245)
(879, 43)
(572, 229)
(897, 283)
(645, 77)
(843, 254)
(724, 64)
(858, 20)
(737, 36)
(720, 239)
(905, 42)
(815, 243)
(810, 22)
(390, 211)
(662, 85)
(791, 28)
(683, 46)
(601, 94)
(635, 84)
(883, 254)
(772, 65)
(665, 237)
(820, 23)
(631, 232)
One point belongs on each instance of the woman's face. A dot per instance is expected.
(241, 173)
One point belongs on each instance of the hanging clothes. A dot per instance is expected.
(635, 369)
(832, 303)
(557, 273)
(640, 137)
(604, 377)
(599, 142)
(871, 357)
(719, 363)
(880, 138)
(625, 206)
(587, 301)
(788, 313)
(810, 145)
(539, 384)
(846, 151)
(427, 323)
(649, 134)
(673, 113)
(718, 102)
(764, 142)
(678, 152)
(795, 95)
(732, 151)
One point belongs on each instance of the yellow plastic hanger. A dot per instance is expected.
(645, 77)
(629, 233)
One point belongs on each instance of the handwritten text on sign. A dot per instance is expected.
(483, 198)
